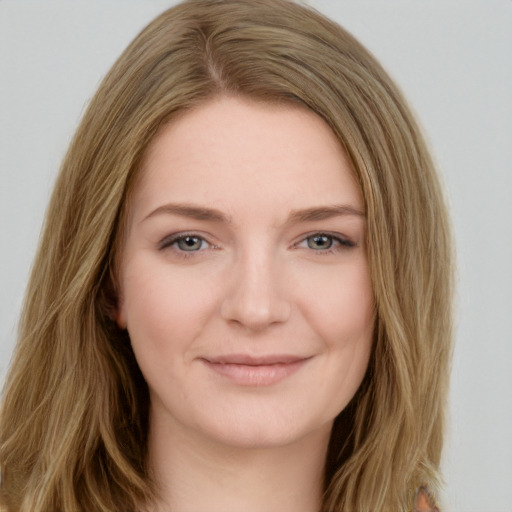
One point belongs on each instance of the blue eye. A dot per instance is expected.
(189, 243)
(183, 243)
(324, 242)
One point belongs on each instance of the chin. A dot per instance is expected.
(264, 431)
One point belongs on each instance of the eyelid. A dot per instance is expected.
(344, 242)
(169, 240)
(341, 241)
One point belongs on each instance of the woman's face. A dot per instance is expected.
(244, 280)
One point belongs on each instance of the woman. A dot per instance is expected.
(242, 295)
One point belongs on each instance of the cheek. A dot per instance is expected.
(341, 308)
(164, 311)
(338, 307)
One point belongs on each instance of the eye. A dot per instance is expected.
(326, 242)
(320, 242)
(184, 243)
(190, 243)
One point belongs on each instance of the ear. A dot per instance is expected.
(112, 302)
(120, 313)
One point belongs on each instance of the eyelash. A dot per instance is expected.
(338, 243)
(169, 241)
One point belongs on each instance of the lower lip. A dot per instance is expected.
(255, 375)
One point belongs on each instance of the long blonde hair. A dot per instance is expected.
(75, 408)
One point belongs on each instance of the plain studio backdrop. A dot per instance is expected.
(453, 60)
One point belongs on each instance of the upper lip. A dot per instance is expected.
(249, 360)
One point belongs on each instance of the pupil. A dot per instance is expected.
(321, 242)
(190, 243)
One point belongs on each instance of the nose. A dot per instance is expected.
(255, 297)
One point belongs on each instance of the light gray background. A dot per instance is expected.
(453, 59)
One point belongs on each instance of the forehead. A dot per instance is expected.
(232, 152)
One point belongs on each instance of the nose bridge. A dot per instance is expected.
(255, 296)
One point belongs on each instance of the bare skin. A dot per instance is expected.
(197, 476)
(246, 292)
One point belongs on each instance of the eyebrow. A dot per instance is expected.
(190, 211)
(213, 215)
(324, 212)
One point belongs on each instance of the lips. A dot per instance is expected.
(245, 359)
(247, 370)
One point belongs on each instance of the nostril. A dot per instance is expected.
(255, 311)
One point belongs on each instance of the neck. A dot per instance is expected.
(194, 474)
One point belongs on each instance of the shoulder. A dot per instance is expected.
(424, 502)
